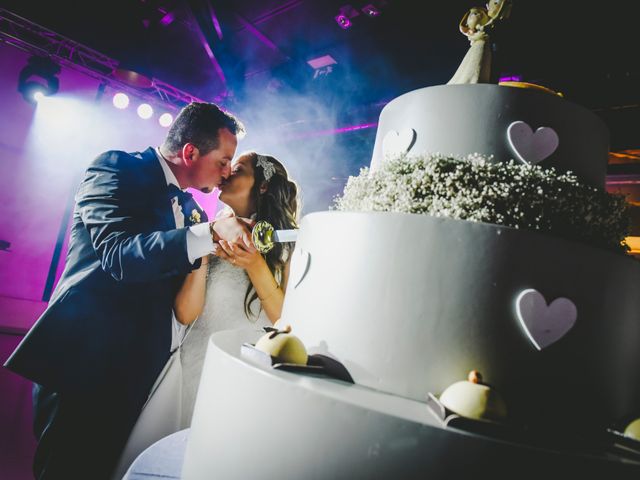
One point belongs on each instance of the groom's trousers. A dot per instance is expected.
(77, 438)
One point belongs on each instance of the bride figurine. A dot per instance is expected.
(476, 64)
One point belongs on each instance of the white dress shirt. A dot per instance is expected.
(199, 242)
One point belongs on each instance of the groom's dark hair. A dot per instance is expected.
(199, 123)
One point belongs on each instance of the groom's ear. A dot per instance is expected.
(189, 154)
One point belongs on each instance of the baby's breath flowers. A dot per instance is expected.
(510, 194)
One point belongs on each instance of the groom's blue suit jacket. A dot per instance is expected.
(108, 325)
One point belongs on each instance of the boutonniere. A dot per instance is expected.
(195, 216)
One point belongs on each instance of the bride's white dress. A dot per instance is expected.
(170, 406)
(223, 310)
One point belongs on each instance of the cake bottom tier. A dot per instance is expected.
(254, 422)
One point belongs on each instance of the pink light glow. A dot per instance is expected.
(322, 61)
(511, 78)
(167, 19)
(208, 201)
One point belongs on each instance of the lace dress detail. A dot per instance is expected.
(223, 310)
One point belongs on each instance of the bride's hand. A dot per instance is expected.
(238, 255)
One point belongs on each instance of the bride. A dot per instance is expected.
(234, 288)
(238, 286)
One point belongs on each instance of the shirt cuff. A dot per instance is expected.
(199, 241)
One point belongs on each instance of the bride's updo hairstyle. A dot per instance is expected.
(278, 204)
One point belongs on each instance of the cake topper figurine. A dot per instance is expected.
(476, 64)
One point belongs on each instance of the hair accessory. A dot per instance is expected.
(267, 166)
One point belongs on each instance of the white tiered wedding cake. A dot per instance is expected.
(410, 303)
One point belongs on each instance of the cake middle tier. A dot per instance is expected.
(412, 303)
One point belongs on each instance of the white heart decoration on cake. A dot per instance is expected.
(398, 143)
(299, 266)
(530, 146)
(544, 324)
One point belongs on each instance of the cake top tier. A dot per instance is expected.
(503, 122)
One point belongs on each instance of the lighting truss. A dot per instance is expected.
(30, 37)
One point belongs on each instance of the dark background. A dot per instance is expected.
(588, 52)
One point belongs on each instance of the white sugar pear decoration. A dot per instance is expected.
(396, 144)
(529, 146)
(544, 324)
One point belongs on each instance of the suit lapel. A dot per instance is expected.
(161, 203)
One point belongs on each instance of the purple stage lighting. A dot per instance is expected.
(165, 119)
(38, 95)
(120, 100)
(145, 111)
(510, 78)
(343, 21)
(167, 19)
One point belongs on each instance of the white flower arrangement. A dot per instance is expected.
(511, 194)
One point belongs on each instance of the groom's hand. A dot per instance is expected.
(233, 230)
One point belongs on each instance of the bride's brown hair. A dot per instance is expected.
(279, 204)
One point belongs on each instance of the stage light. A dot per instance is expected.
(167, 19)
(345, 14)
(322, 66)
(321, 62)
(145, 111)
(165, 119)
(120, 100)
(343, 21)
(38, 76)
(32, 91)
(371, 10)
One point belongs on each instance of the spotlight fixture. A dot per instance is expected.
(343, 21)
(371, 10)
(347, 12)
(165, 119)
(145, 111)
(120, 100)
(38, 79)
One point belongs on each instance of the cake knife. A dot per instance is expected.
(264, 236)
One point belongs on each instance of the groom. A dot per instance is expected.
(96, 351)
